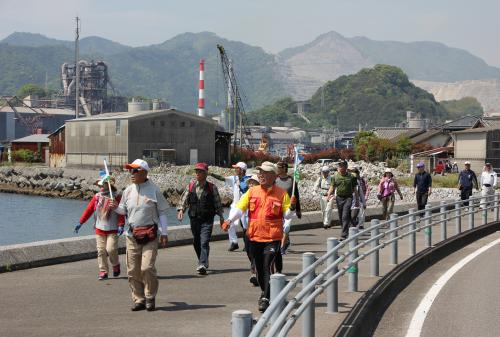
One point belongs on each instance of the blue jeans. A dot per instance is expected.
(202, 232)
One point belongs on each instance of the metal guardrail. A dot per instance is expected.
(283, 313)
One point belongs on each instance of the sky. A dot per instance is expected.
(271, 24)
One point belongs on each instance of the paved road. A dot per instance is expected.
(468, 305)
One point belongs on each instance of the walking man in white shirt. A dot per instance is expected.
(322, 186)
(488, 184)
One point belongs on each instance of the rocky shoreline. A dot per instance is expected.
(79, 184)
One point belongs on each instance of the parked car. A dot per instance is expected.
(440, 168)
(325, 161)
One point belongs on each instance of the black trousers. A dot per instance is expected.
(421, 200)
(264, 255)
(202, 232)
(465, 194)
(344, 209)
(248, 250)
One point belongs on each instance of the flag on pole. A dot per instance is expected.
(297, 160)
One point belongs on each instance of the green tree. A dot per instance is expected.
(31, 89)
(462, 107)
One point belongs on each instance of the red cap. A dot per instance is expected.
(201, 166)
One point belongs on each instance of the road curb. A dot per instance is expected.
(364, 317)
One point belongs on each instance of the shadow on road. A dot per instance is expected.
(180, 306)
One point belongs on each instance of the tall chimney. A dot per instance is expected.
(201, 90)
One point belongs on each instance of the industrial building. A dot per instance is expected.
(158, 136)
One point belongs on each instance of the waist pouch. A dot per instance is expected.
(487, 185)
(145, 234)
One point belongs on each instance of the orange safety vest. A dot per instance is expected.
(265, 214)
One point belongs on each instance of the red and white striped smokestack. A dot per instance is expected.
(201, 90)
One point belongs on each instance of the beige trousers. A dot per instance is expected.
(141, 269)
(326, 210)
(107, 246)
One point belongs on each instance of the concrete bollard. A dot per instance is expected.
(375, 260)
(412, 238)
(428, 229)
(332, 292)
(393, 224)
(241, 323)
(471, 215)
(308, 319)
(444, 215)
(458, 216)
(278, 282)
(353, 270)
(496, 209)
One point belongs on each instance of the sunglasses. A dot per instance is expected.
(132, 171)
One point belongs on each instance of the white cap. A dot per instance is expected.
(241, 165)
(325, 169)
(467, 163)
(138, 164)
(254, 177)
(268, 167)
(388, 170)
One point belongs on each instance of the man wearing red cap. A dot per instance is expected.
(203, 200)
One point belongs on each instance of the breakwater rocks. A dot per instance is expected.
(172, 180)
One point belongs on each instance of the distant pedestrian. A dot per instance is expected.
(238, 183)
(467, 180)
(203, 201)
(108, 226)
(454, 168)
(321, 187)
(488, 185)
(358, 210)
(146, 210)
(268, 205)
(387, 189)
(343, 186)
(422, 186)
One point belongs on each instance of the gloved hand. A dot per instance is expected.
(120, 230)
(77, 228)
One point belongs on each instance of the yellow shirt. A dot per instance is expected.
(245, 200)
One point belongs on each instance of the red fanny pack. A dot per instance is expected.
(145, 234)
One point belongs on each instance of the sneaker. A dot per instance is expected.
(202, 270)
(138, 306)
(263, 304)
(150, 304)
(102, 275)
(116, 270)
(254, 281)
(233, 247)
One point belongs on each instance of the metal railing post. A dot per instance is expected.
(241, 323)
(394, 233)
(308, 316)
(484, 213)
(374, 267)
(444, 215)
(353, 270)
(412, 238)
(278, 282)
(471, 214)
(428, 228)
(496, 209)
(458, 216)
(332, 292)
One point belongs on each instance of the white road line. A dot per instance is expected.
(418, 319)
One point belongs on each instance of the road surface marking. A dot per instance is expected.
(418, 319)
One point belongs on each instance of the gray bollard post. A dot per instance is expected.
(241, 323)
(278, 282)
(412, 238)
(308, 315)
(484, 213)
(428, 228)
(471, 215)
(444, 215)
(332, 292)
(394, 245)
(374, 267)
(496, 209)
(458, 216)
(353, 270)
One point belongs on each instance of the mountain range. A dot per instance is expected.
(169, 70)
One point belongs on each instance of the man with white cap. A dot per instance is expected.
(145, 207)
(322, 186)
(267, 206)
(239, 185)
(488, 184)
(467, 179)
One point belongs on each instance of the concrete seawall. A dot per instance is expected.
(43, 253)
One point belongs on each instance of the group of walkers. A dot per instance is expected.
(263, 205)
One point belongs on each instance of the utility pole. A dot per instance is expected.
(77, 68)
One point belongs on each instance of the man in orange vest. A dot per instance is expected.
(267, 205)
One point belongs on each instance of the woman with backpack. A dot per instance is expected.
(386, 189)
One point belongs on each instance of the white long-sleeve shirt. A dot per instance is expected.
(489, 178)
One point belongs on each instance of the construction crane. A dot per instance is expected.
(234, 103)
(32, 123)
